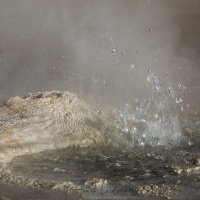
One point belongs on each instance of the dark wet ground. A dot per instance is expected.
(16, 193)
(109, 173)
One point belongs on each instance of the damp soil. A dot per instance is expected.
(104, 173)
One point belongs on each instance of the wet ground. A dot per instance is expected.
(104, 173)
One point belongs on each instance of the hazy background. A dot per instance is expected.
(102, 50)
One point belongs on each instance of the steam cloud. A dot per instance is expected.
(101, 50)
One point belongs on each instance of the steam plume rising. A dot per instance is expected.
(90, 47)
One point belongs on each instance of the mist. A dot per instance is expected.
(103, 51)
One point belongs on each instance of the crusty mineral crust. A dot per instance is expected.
(48, 120)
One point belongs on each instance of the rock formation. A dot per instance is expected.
(48, 120)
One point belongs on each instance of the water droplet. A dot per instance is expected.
(98, 111)
(117, 165)
(122, 52)
(180, 68)
(155, 82)
(132, 67)
(182, 88)
(190, 143)
(113, 51)
(125, 130)
(159, 144)
(142, 143)
(167, 73)
(171, 93)
(179, 100)
(157, 88)
(150, 29)
(56, 169)
(133, 130)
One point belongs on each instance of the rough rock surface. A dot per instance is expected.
(47, 120)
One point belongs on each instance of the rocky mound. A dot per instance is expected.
(48, 120)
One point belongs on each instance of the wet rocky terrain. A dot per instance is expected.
(104, 173)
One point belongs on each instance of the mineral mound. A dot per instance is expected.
(48, 120)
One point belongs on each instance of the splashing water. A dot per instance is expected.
(154, 121)
(143, 128)
(157, 86)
